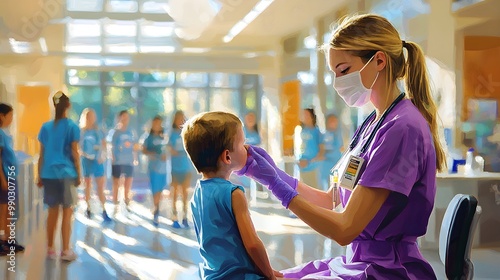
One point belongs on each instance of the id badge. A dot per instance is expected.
(350, 177)
(348, 168)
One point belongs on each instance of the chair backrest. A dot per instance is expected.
(456, 236)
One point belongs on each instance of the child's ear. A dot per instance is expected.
(225, 157)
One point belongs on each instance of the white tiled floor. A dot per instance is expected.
(131, 248)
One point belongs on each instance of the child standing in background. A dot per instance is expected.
(333, 148)
(91, 148)
(123, 145)
(154, 147)
(312, 149)
(180, 169)
(8, 179)
(59, 173)
(252, 136)
(229, 246)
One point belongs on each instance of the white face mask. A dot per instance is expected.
(350, 87)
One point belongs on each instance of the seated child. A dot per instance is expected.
(229, 246)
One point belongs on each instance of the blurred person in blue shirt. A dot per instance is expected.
(8, 180)
(180, 169)
(154, 147)
(92, 144)
(59, 173)
(312, 148)
(334, 145)
(123, 145)
(252, 136)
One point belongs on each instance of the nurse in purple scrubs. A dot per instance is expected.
(388, 175)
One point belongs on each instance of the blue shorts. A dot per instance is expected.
(59, 192)
(125, 170)
(158, 181)
(91, 167)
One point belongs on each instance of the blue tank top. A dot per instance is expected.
(221, 247)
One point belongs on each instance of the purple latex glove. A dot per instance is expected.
(259, 169)
(282, 174)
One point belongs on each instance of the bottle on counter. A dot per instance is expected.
(469, 162)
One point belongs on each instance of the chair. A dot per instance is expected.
(456, 236)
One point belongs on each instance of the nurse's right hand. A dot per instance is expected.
(263, 172)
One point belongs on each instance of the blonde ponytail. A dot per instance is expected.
(418, 89)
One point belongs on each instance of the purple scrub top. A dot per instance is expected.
(402, 159)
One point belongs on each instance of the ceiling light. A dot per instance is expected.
(43, 45)
(251, 16)
(82, 48)
(310, 42)
(20, 47)
(195, 50)
(117, 61)
(77, 61)
(157, 49)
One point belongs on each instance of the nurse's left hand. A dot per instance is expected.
(259, 169)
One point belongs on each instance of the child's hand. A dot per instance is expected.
(39, 183)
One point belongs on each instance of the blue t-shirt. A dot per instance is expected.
(311, 139)
(333, 142)
(221, 247)
(56, 139)
(122, 142)
(91, 143)
(156, 144)
(252, 137)
(180, 162)
(9, 160)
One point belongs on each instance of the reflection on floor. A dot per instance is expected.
(130, 247)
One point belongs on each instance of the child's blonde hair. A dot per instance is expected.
(84, 117)
(207, 135)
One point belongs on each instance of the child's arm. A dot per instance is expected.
(253, 245)
(4, 185)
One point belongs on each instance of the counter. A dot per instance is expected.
(482, 186)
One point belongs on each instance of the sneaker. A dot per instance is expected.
(155, 218)
(127, 206)
(176, 224)
(185, 223)
(17, 247)
(68, 256)
(4, 250)
(88, 214)
(105, 217)
(51, 254)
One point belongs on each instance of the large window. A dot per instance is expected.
(82, 97)
(145, 95)
(225, 100)
(117, 99)
(191, 101)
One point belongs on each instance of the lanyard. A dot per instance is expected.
(355, 139)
